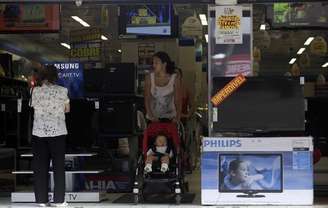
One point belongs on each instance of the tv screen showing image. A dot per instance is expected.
(260, 105)
(294, 15)
(145, 20)
(250, 173)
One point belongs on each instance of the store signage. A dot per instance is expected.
(85, 35)
(29, 18)
(319, 46)
(86, 51)
(228, 25)
(145, 54)
(232, 86)
(70, 75)
(192, 27)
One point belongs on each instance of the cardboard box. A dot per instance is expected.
(257, 171)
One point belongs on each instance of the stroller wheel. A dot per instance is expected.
(177, 198)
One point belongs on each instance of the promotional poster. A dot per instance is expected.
(257, 171)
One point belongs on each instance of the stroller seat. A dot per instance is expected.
(170, 182)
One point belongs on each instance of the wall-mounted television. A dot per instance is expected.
(298, 15)
(147, 20)
(250, 174)
(29, 18)
(261, 105)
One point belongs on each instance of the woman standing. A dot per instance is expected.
(50, 103)
(162, 90)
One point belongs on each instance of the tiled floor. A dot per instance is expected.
(194, 187)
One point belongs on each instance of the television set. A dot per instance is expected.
(261, 105)
(32, 18)
(298, 15)
(147, 20)
(114, 79)
(250, 174)
(80, 123)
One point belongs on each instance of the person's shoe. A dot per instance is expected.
(164, 167)
(148, 168)
(64, 204)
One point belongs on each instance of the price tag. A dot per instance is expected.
(19, 105)
(3, 107)
(96, 105)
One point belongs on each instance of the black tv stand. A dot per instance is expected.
(251, 195)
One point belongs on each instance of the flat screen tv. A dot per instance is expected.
(32, 18)
(260, 105)
(114, 79)
(147, 20)
(298, 15)
(250, 174)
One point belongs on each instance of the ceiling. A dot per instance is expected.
(277, 47)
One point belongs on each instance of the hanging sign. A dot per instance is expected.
(228, 25)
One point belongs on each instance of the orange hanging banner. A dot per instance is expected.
(232, 86)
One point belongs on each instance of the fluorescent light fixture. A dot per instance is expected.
(325, 65)
(81, 21)
(103, 37)
(203, 19)
(219, 56)
(300, 51)
(262, 27)
(309, 40)
(65, 45)
(206, 38)
(292, 61)
(119, 50)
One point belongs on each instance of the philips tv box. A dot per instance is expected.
(255, 171)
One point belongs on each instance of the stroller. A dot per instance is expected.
(157, 182)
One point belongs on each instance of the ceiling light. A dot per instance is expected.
(119, 50)
(300, 51)
(262, 27)
(325, 65)
(219, 56)
(206, 38)
(203, 19)
(292, 61)
(81, 21)
(65, 45)
(103, 37)
(309, 40)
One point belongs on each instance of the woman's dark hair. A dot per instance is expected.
(165, 58)
(233, 166)
(49, 73)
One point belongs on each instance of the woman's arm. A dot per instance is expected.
(147, 95)
(178, 97)
(67, 108)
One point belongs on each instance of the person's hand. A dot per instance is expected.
(154, 119)
(175, 120)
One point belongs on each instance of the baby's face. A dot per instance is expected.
(242, 172)
(160, 141)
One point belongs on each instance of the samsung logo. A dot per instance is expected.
(222, 143)
(67, 66)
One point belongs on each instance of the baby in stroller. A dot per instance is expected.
(159, 151)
